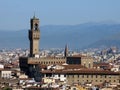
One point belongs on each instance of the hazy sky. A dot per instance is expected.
(15, 14)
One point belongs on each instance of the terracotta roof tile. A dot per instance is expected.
(82, 71)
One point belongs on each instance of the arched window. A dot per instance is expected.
(36, 27)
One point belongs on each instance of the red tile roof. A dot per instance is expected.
(82, 71)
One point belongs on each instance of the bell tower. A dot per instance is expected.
(34, 36)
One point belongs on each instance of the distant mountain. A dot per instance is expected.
(113, 40)
(76, 36)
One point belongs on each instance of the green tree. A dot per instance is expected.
(7, 88)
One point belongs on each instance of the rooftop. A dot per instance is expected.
(82, 71)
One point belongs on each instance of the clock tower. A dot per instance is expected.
(34, 36)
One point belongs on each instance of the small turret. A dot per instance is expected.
(66, 51)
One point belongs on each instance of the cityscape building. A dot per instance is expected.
(74, 69)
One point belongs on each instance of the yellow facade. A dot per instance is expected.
(95, 79)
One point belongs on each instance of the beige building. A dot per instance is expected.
(76, 74)
(94, 77)
(6, 73)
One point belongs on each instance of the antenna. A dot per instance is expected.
(34, 15)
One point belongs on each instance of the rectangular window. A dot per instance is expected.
(74, 88)
(105, 76)
(109, 76)
(65, 75)
(82, 76)
(84, 65)
(89, 65)
(96, 76)
(87, 76)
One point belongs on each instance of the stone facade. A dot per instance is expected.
(95, 79)
(83, 60)
(34, 36)
(30, 64)
(84, 75)
(46, 61)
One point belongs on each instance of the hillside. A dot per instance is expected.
(76, 36)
